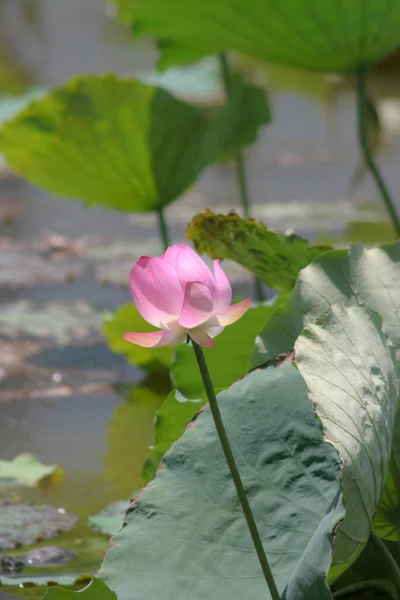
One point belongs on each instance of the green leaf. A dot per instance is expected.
(351, 374)
(118, 142)
(186, 535)
(110, 519)
(96, 590)
(124, 320)
(131, 432)
(23, 524)
(246, 128)
(370, 566)
(273, 257)
(227, 362)
(387, 518)
(354, 276)
(328, 35)
(171, 421)
(25, 469)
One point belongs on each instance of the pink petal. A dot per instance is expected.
(156, 290)
(224, 290)
(214, 331)
(233, 313)
(155, 339)
(197, 305)
(170, 254)
(191, 267)
(202, 338)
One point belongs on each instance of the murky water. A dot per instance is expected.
(56, 396)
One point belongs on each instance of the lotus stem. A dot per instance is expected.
(239, 164)
(163, 229)
(230, 459)
(362, 104)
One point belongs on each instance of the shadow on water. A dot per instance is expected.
(58, 394)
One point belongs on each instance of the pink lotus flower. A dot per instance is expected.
(178, 293)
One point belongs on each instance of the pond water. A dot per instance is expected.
(64, 396)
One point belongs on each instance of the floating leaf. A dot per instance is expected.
(273, 257)
(24, 524)
(38, 558)
(65, 322)
(125, 319)
(328, 35)
(46, 556)
(111, 518)
(352, 379)
(187, 525)
(354, 276)
(20, 269)
(25, 469)
(387, 518)
(118, 142)
(96, 590)
(33, 584)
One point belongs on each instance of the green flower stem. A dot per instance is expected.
(208, 386)
(162, 225)
(240, 164)
(362, 102)
(389, 560)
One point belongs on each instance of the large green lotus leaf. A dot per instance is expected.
(227, 362)
(186, 535)
(124, 320)
(96, 590)
(323, 35)
(351, 374)
(357, 275)
(273, 257)
(119, 142)
(387, 518)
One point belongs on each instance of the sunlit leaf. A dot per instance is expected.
(273, 257)
(25, 469)
(124, 320)
(187, 526)
(227, 362)
(354, 276)
(119, 142)
(351, 374)
(328, 35)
